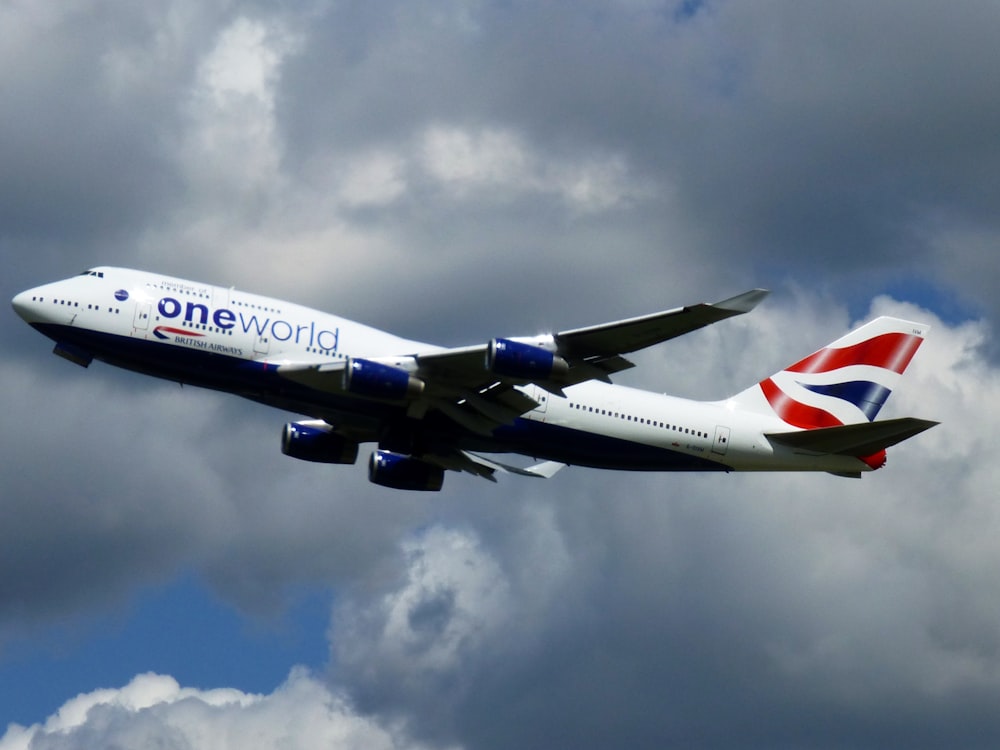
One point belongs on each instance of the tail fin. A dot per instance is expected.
(846, 382)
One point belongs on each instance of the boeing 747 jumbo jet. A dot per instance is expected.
(430, 409)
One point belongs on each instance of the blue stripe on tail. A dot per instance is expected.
(867, 396)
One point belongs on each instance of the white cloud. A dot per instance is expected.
(454, 599)
(232, 149)
(154, 711)
(486, 161)
(244, 63)
(375, 178)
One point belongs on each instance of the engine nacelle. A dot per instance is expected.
(524, 361)
(315, 440)
(376, 380)
(404, 472)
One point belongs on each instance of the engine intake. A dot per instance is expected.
(315, 440)
(524, 361)
(404, 472)
(376, 380)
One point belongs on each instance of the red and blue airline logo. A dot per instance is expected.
(165, 332)
(881, 358)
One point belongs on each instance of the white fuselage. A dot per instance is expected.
(234, 341)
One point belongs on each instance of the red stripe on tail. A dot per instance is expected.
(891, 351)
(795, 412)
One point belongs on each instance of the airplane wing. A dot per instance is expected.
(594, 353)
(633, 334)
(470, 396)
(487, 385)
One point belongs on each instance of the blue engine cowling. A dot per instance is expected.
(404, 472)
(315, 440)
(376, 380)
(524, 361)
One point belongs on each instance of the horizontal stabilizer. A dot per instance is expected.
(862, 439)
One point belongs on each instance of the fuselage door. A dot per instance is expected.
(141, 320)
(721, 443)
(539, 395)
(261, 343)
(542, 397)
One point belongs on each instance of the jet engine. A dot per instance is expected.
(376, 380)
(404, 472)
(315, 440)
(524, 361)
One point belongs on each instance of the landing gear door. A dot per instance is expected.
(721, 443)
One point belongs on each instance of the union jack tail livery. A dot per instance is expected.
(845, 382)
(833, 396)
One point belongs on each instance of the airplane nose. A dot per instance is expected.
(23, 304)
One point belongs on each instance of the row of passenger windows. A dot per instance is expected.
(203, 294)
(115, 310)
(640, 420)
(71, 303)
(252, 306)
(327, 352)
(179, 289)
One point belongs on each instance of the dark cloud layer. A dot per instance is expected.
(470, 169)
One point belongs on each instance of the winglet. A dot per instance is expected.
(743, 303)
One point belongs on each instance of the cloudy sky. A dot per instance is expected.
(455, 171)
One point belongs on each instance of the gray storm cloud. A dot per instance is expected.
(479, 169)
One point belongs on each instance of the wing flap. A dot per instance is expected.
(486, 468)
(504, 410)
(543, 470)
(861, 439)
(599, 368)
(453, 364)
(464, 461)
(328, 378)
(514, 399)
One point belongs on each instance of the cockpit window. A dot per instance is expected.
(98, 274)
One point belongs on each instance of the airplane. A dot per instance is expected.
(429, 409)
